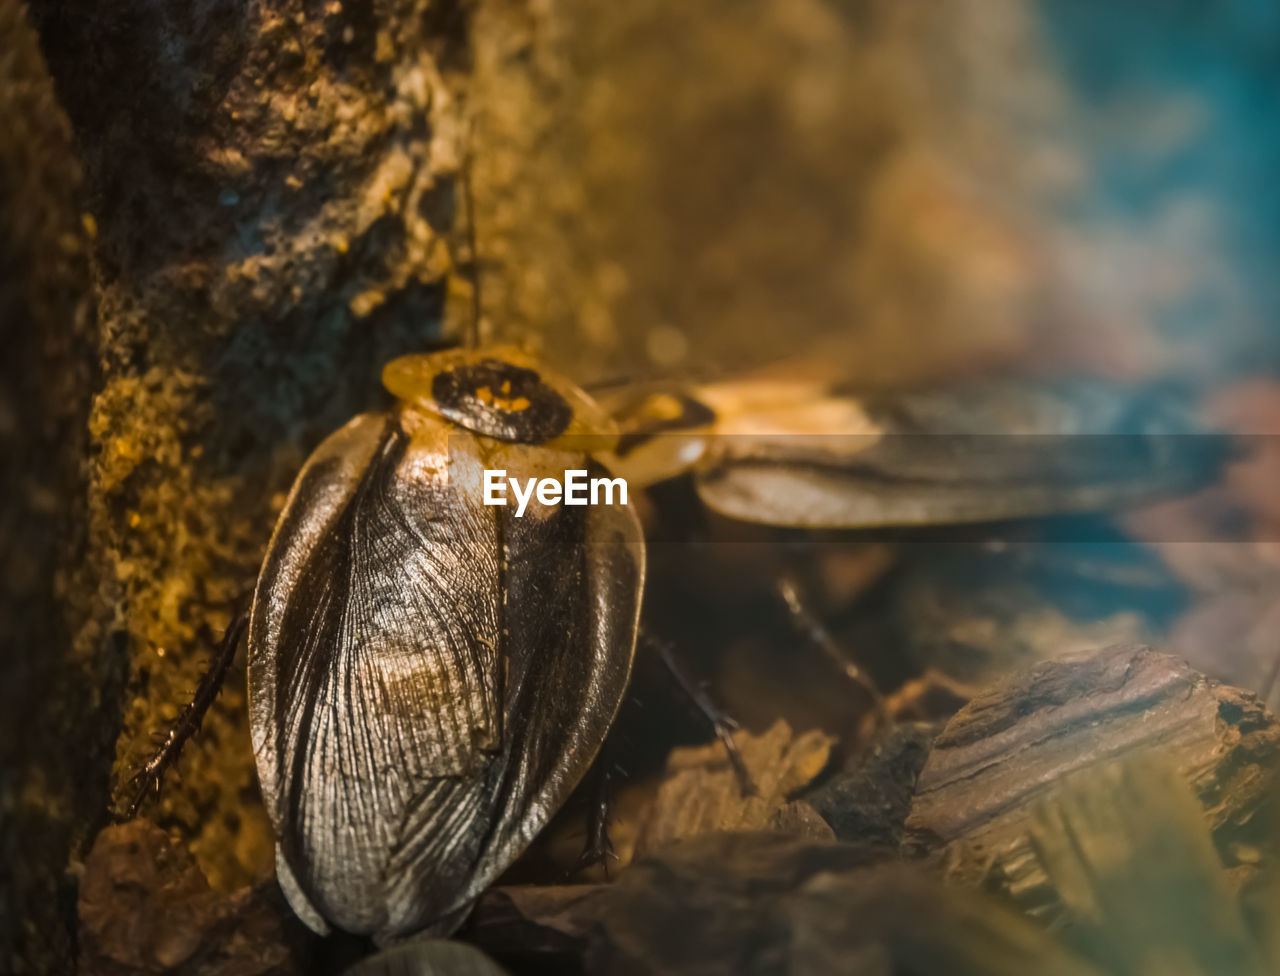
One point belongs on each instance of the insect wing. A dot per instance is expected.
(414, 722)
(570, 587)
(977, 453)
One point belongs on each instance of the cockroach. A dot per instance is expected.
(431, 676)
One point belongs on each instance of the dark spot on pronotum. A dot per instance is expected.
(506, 402)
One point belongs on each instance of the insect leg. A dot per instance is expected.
(188, 721)
(811, 628)
(599, 846)
(721, 724)
(472, 337)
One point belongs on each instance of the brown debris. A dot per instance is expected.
(701, 794)
(765, 904)
(535, 920)
(931, 696)
(145, 908)
(1011, 746)
(868, 802)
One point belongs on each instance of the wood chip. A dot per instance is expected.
(868, 802)
(701, 794)
(1012, 745)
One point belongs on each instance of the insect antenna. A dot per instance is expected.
(808, 626)
(721, 724)
(472, 335)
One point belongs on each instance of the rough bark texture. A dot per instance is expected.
(59, 691)
(1124, 794)
(1008, 750)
